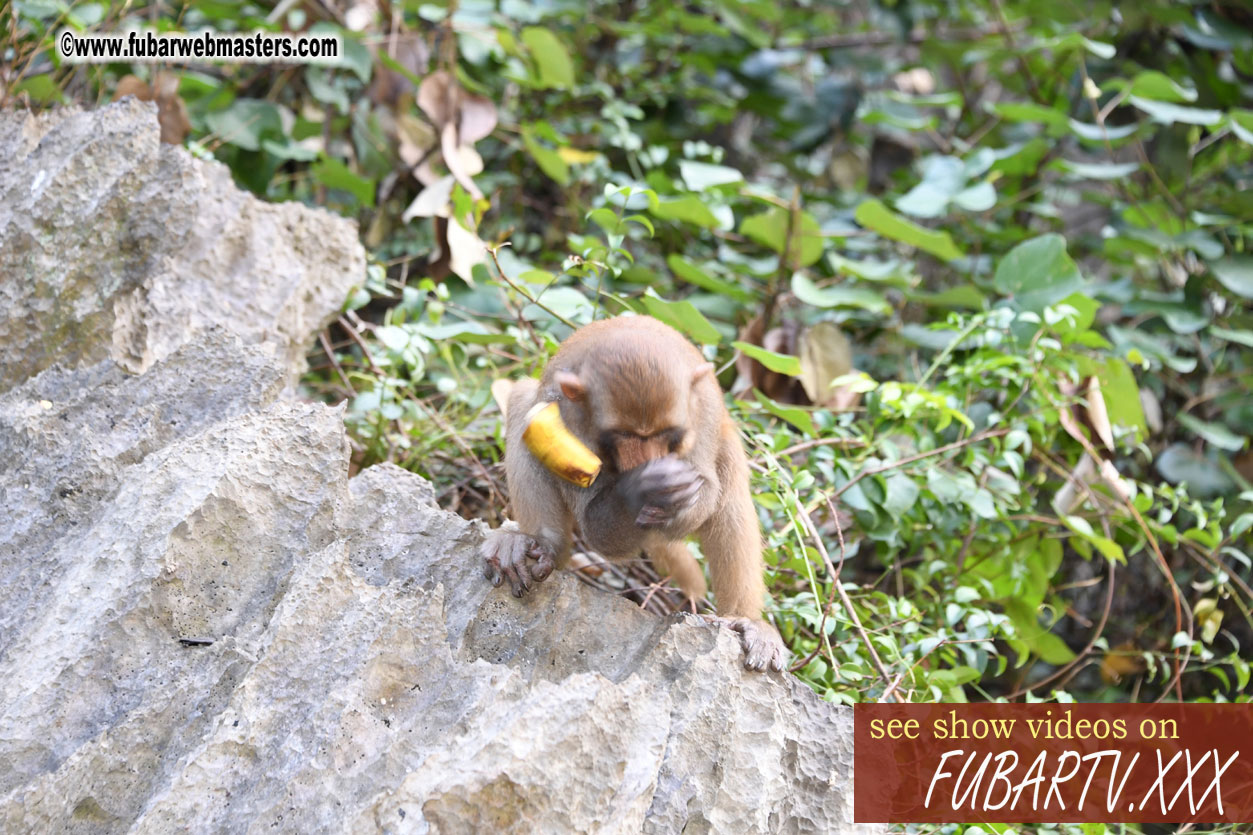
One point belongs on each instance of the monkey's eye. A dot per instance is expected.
(674, 438)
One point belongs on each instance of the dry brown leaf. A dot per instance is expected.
(456, 161)
(1120, 662)
(1098, 415)
(826, 354)
(478, 118)
(1152, 410)
(432, 201)
(171, 111)
(415, 137)
(501, 389)
(436, 98)
(465, 250)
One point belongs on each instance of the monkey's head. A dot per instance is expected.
(633, 393)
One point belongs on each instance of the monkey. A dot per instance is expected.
(642, 397)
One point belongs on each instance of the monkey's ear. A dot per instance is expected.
(701, 370)
(571, 386)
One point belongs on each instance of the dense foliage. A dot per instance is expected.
(977, 276)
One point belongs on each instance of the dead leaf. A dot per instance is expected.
(432, 201)
(415, 138)
(478, 118)
(501, 389)
(465, 250)
(1209, 617)
(917, 81)
(1120, 662)
(408, 49)
(455, 161)
(436, 98)
(171, 111)
(359, 17)
(826, 354)
(752, 374)
(1098, 415)
(1152, 410)
(1067, 497)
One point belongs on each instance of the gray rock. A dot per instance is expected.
(206, 626)
(115, 246)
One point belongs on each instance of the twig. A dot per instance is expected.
(1079, 656)
(844, 598)
(909, 459)
(526, 294)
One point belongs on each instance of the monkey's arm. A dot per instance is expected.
(731, 542)
(526, 552)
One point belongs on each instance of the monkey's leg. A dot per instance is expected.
(672, 558)
(731, 541)
(526, 551)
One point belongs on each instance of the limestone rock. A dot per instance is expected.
(205, 626)
(116, 246)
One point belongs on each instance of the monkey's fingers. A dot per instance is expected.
(544, 562)
(518, 576)
(651, 516)
(491, 570)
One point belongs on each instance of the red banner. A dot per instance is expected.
(1053, 763)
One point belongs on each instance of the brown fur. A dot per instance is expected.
(629, 388)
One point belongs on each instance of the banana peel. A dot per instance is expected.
(556, 447)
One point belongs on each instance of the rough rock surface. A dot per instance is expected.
(114, 245)
(205, 626)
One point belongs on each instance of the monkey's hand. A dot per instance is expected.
(661, 489)
(509, 554)
(762, 645)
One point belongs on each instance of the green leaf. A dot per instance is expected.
(41, 88)
(688, 209)
(1241, 122)
(1213, 433)
(977, 198)
(332, 173)
(1056, 120)
(1235, 273)
(699, 176)
(1151, 84)
(782, 363)
(770, 229)
(1097, 133)
(1168, 114)
(866, 299)
(1244, 338)
(692, 274)
(1038, 273)
(539, 277)
(550, 56)
(1099, 170)
(873, 215)
(549, 161)
(799, 418)
(1181, 464)
(683, 317)
(1108, 547)
(1119, 390)
(1051, 649)
(245, 121)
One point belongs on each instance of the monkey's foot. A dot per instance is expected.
(509, 554)
(763, 648)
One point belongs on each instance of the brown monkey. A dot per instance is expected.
(644, 399)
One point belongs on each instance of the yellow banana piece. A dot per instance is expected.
(548, 439)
